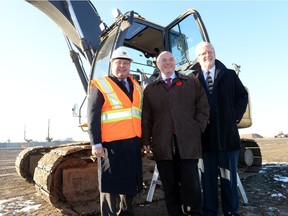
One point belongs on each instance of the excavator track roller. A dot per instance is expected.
(250, 158)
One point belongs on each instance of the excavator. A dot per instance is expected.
(66, 175)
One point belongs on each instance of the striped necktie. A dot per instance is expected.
(209, 82)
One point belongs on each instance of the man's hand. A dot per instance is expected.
(147, 149)
(147, 152)
(97, 151)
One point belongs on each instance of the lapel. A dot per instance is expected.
(123, 88)
(218, 75)
(199, 75)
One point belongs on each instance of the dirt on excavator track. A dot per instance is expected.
(267, 191)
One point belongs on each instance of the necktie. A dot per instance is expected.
(124, 83)
(168, 82)
(209, 82)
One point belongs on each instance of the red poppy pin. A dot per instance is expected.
(178, 83)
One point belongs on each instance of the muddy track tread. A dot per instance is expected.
(49, 174)
(22, 163)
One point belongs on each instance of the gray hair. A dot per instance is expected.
(201, 45)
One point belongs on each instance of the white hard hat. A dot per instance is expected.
(121, 52)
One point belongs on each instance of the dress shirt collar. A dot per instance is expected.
(173, 76)
(126, 81)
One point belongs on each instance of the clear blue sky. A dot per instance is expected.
(38, 80)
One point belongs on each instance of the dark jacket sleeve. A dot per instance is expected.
(94, 107)
(202, 106)
(147, 120)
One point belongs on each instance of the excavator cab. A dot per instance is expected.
(145, 40)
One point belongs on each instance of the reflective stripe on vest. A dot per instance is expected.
(121, 114)
(136, 112)
(140, 91)
(111, 95)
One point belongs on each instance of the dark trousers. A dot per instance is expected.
(180, 180)
(116, 204)
(223, 164)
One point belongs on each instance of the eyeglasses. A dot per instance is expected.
(205, 53)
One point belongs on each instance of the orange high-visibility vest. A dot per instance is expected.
(120, 118)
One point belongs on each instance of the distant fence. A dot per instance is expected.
(22, 145)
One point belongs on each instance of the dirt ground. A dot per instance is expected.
(266, 191)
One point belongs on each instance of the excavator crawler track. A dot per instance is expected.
(27, 159)
(67, 179)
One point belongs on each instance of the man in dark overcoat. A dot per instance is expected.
(174, 115)
(228, 100)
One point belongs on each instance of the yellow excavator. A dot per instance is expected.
(65, 175)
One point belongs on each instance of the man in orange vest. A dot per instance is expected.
(114, 126)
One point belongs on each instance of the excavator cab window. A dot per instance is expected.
(144, 40)
(142, 65)
(101, 63)
(182, 36)
(143, 43)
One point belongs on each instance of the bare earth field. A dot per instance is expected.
(267, 191)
